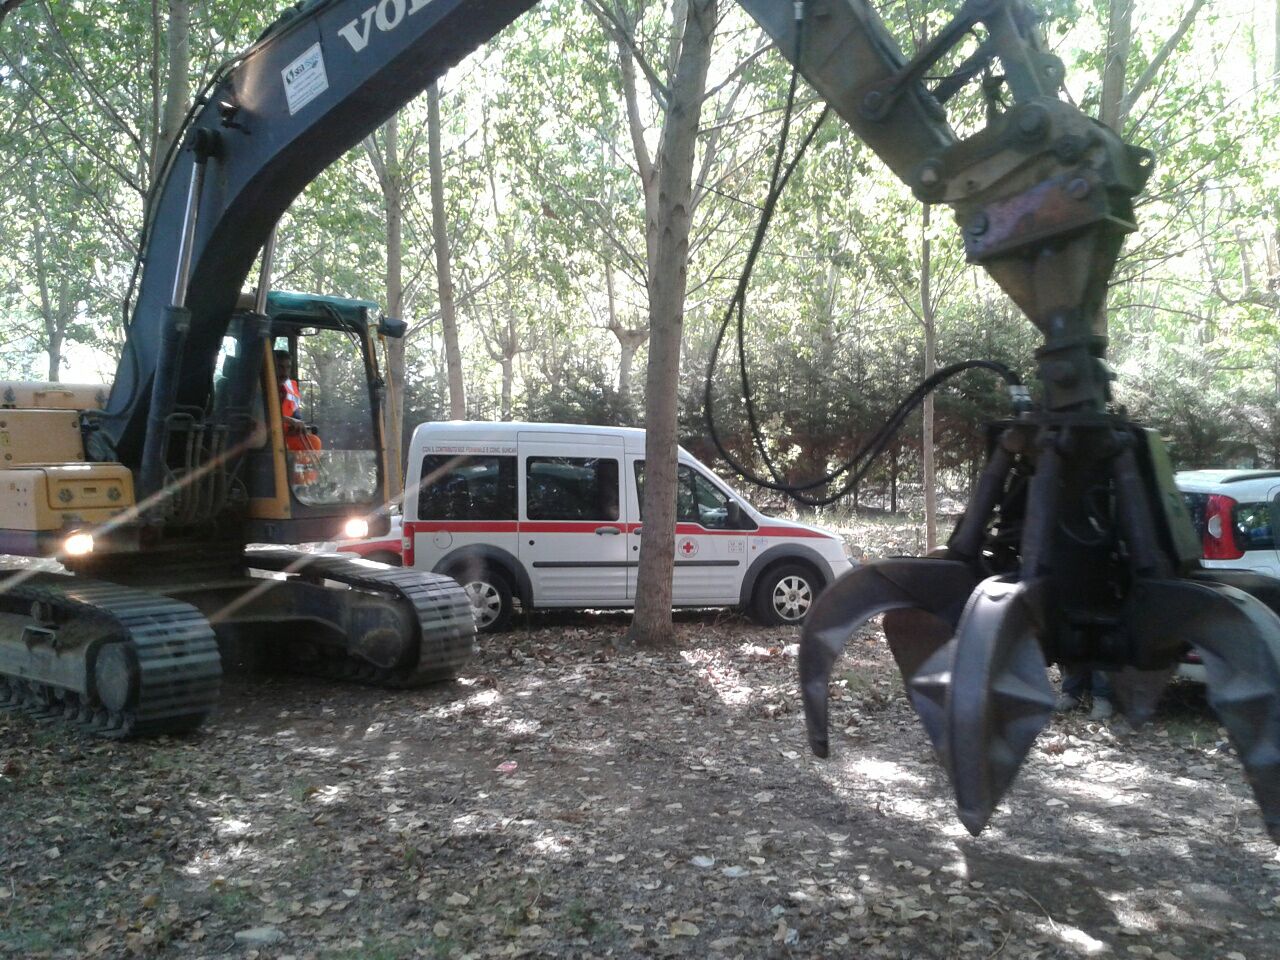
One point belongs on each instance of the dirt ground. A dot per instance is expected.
(567, 799)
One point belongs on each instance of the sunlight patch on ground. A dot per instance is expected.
(884, 771)
(476, 702)
(231, 827)
(721, 676)
(550, 845)
(232, 859)
(1074, 937)
(331, 793)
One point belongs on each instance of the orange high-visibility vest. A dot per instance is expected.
(290, 398)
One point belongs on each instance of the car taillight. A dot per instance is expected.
(1219, 540)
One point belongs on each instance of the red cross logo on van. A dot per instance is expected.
(688, 547)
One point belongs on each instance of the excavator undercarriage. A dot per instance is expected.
(142, 650)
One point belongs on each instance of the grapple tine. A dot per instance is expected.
(1238, 638)
(938, 587)
(985, 696)
(1138, 691)
(914, 635)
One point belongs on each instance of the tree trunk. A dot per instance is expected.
(1119, 37)
(393, 199)
(630, 340)
(55, 312)
(668, 235)
(440, 236)
(178, 57)
(508, 375)
(928, 318)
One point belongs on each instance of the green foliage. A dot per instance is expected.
(544, 200)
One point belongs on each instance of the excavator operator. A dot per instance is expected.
(298, 437)
(297, 434)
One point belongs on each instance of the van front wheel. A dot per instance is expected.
(492, 602)
(784, 595)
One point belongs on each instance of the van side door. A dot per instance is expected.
(710, 553)
(573, 522)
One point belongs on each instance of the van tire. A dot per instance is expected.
(491, 596)
(389, 557)
(784, 595)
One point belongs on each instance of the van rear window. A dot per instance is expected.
(571, 488)
(467, 488)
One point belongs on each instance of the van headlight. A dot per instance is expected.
(356, 528)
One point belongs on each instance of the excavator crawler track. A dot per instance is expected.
(443, 612)
(117, 661)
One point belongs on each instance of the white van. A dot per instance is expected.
(549, 515)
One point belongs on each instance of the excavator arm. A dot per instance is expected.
(330, 71)
(1101, 575)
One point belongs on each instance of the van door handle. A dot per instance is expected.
(607, 531)
(637, 530)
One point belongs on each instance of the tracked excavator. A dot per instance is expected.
(1074, 548)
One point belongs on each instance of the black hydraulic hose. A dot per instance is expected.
(861, 461)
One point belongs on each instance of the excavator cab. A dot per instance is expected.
(164, 594)
(313, 460)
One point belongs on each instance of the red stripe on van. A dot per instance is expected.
(461, 526)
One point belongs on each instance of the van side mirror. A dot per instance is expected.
(734, 515)
(393, 327)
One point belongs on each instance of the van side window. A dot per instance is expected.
(698, 500)
(462, 487)
(571, 488)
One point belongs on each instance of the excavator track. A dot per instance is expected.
(446, 626)
(117, 661)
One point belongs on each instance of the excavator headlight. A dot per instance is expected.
(357, 528)
(78, 544)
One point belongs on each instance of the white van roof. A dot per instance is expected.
(486, 431)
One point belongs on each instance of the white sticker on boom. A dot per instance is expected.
(305, 79)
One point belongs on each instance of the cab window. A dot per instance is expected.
(327, 416)
(571, 488)
(698, 500)
(467, 488)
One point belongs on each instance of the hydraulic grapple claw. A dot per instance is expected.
(935, 590)
(1139, 691)
(1238, 638)
(985, 696)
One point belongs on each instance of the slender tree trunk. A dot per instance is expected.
(511, 330)
(668, 232)
(54, 314)
(928, 318)
(630, 340)
(176, 91)
(1119, 38)
(393, 199)
(440, 235)
(508, 375)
